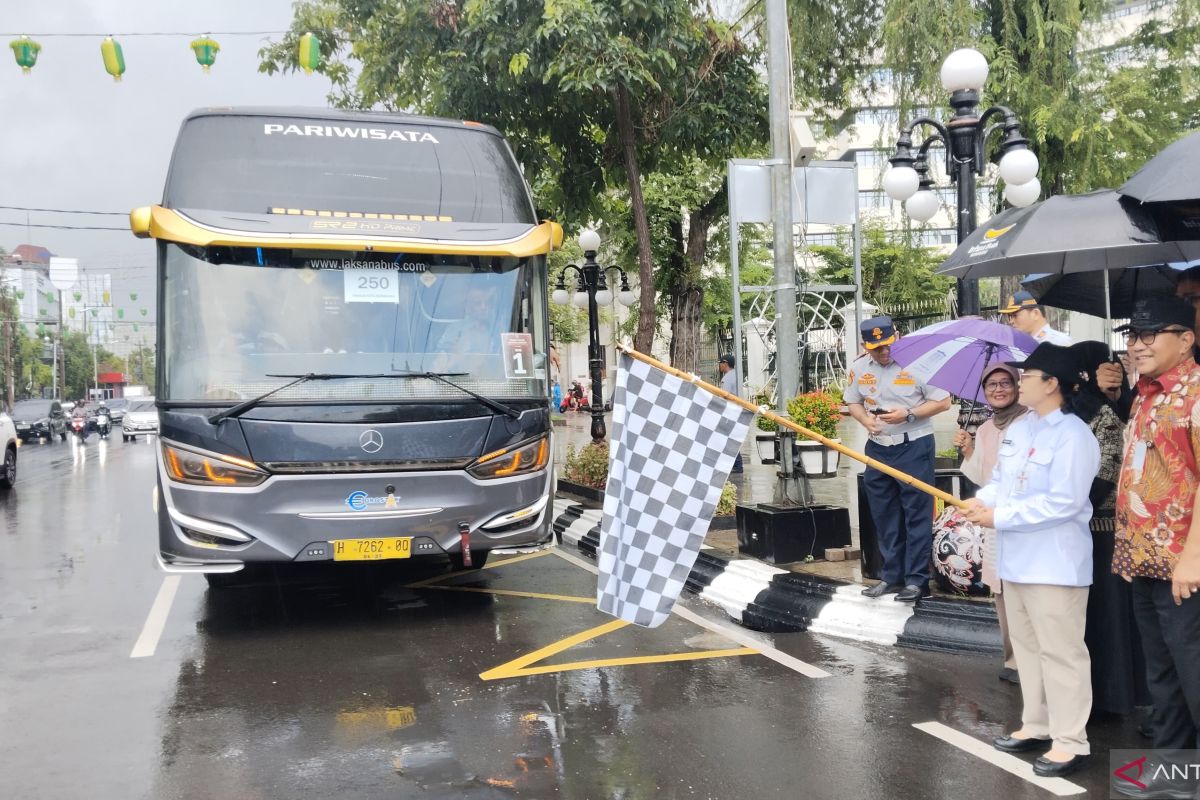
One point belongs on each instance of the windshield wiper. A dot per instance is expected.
(221, 416)
(444, 377)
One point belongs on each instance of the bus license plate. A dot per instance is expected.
(372, 549)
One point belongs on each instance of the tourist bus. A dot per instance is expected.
(352, 340)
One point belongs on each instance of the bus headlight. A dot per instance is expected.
(209, 469)
(520, 460)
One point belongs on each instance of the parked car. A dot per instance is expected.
(39, 419)
(141, 418)
(116, 409)
(8, 440)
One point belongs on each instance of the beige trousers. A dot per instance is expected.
(1010, 660)
(1046, 626)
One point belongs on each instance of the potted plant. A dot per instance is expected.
(820, 412)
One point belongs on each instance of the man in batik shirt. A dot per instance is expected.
(1155, 547)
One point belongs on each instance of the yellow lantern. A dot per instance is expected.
(206, 50)
(25, 50)
(309, 54)
(114, 59)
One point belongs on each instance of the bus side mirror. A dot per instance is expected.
(556, 235)
(139, 222)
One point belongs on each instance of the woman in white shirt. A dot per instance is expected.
(1037, 500)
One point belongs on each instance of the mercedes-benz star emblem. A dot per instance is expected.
(371, 441)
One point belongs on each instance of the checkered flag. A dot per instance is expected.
(672, 448)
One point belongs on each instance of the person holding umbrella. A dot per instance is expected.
(1037, 500)
(1025, 314)
(980, 452)
(895, 407)
(1157, 499)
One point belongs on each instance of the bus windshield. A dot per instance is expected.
(235, 317)
(252, 164)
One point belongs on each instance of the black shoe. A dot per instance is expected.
(881, 588)
(912, 593)
(1011, 744)
(1057, 769)
(1009, 674)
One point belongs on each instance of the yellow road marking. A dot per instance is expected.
(624, 662)
(563, 598)
(521, 666)
(439, 578)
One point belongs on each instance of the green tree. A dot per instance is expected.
(895, 272)
(592, 94)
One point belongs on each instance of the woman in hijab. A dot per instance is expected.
(1118, 664)
(979, 458)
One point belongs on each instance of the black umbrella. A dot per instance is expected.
(1084, 291)
(1169, 186)
(1065, 234)
(1172, 176)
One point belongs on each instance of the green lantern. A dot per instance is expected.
(206, 50)
(114, 59)
(309, 54)
(71, 313)
(133, 295)
(143, 312)
(26, 52)
(120, 313)
(94, 311)
(78, 296)
(50, 298)
(135, 327)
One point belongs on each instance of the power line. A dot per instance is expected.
(65, 227)
(65, 210)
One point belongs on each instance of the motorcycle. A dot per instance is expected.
(576, 399)
(103, 424)
(80, 426)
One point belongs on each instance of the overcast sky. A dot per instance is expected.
(72, 138)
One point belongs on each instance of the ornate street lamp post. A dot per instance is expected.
(965, 138)
(591, 292)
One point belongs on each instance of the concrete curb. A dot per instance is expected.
(766, 598)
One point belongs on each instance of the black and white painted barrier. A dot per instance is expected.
(767, 598)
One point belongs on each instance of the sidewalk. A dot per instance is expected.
(822, 596)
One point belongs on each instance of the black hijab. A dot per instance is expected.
(1090, 399)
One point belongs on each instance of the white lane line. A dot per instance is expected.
(147, 643)
(743, 637)
(1005, 761)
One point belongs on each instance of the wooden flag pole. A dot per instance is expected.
(903, 477)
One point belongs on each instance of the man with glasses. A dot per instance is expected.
(1156, 510)
(895, 408)
(1025, 314)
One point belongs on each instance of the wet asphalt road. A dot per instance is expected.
(350, 683)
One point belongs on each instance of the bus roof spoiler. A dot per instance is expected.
(169, 225)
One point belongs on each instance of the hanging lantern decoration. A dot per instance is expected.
(309, 55)
(206, 50)
(71, 313)
(106, 297)
(114, 59)
(135, 327)
(143, 312)
(77, 296)
(120, 313)
(133, 295)
(50, 298)
(26, 52)
(94, 311)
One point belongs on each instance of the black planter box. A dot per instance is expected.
(783, 534)
(951, 481)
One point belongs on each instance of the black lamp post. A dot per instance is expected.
(965, 138)
(591, 292)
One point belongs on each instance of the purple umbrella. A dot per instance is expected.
(953, 355)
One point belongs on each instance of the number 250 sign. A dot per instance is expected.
(518, 355)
